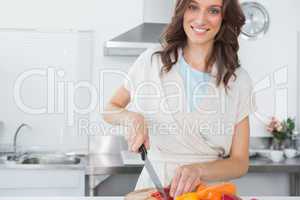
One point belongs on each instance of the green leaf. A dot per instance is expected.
(290, 124)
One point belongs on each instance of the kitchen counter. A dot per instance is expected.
(121, 198)
(262, 164)
(290, 166)
(100, 164)
(113, 164)
(109, 164)
(41, 167)
(11, 165)
(103, 165)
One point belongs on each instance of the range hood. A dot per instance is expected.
(135, 41)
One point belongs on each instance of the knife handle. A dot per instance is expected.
(143, 152)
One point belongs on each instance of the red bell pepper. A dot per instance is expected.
(158, 196)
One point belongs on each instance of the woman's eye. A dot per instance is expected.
(193, 7)
(214, 11)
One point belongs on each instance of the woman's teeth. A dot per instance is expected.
(200, 30)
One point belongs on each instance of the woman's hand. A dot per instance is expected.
(138, 133)
(186, 179)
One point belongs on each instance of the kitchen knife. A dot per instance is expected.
(154, 177)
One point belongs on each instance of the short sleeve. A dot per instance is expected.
(135, 74)
(246, 104)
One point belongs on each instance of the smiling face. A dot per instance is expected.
(202, 21)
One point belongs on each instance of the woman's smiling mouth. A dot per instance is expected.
(200, 30)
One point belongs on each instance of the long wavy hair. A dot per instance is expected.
(225, 48)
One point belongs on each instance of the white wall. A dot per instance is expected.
(34, 64)
(157, 11)
(106, 18)
(272, 63)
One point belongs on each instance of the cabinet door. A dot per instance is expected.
(263, 184)
(20, 182)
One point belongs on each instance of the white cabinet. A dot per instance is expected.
(42, 182)
(263, 184)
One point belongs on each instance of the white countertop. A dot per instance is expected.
(121, 198)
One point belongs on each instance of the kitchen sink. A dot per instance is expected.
(43, 159)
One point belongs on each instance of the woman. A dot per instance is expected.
(191, 99)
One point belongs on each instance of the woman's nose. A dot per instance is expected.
(201, 18)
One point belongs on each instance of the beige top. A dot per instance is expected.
(179, 137)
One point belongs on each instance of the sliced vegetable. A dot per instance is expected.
(201, 187)
(158, 196)
(217, 190)
(223, 191)
(188, 196)
(227, 188)
(229, 197)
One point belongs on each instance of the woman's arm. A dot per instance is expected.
(237, 164)
(116, 113)
(188, 177)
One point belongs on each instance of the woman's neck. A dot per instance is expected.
(197, 55)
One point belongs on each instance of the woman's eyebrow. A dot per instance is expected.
(193, 1)
(213, 5)
(216, 5)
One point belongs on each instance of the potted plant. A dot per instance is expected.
(282, 131)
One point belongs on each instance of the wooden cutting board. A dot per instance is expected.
(144, 194)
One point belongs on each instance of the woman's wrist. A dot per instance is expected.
(134, 119)
(137, 118)
(200, 171)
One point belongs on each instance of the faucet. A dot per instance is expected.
(16, 135)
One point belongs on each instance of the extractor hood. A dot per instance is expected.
(135, 41)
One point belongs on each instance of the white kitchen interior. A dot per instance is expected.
(54, 52)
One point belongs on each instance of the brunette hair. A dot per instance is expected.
(225, 46)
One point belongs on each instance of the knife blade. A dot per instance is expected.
(154, 177)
